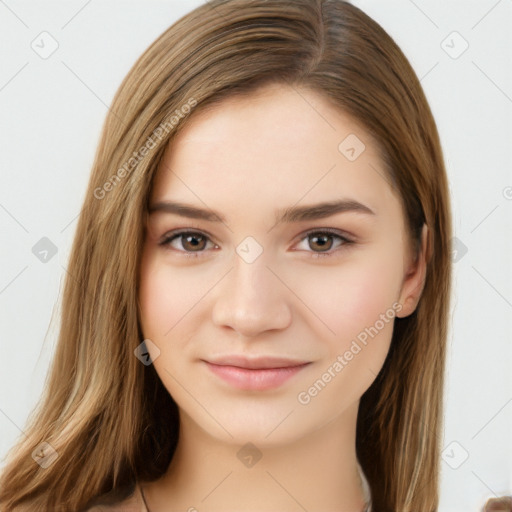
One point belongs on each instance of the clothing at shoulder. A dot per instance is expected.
(132, 503)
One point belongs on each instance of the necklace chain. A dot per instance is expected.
(366, 507)
(144, 498)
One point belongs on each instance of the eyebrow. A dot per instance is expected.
(284, 215)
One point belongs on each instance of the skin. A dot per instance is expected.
(245, 158)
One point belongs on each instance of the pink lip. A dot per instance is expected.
(255, 363)
(255, 374)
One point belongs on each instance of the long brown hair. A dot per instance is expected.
(109, 417)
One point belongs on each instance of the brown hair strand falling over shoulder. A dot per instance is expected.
(103, 411)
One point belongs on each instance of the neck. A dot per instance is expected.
(316, 472)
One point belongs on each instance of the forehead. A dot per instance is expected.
(278, 145)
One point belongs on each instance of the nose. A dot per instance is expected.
(251, 299)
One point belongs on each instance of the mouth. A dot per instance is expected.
(256, 363)
(260, 373)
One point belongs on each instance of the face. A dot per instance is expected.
(269, 295)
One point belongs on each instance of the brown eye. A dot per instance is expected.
(186, 241)
(192, 242)
(321, 242)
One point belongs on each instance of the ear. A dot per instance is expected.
(414, 278)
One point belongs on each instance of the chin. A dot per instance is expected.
(258, 422)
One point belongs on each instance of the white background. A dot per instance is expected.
(51, 112)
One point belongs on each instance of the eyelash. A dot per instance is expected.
(169, 237)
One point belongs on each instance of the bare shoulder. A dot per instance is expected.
(133, 502)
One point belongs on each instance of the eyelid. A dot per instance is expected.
(175, 233)
(332, 231)
(347, 240)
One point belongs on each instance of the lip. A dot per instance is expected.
(255, 363)
(259, 373)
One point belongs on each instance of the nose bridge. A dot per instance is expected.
(251, 299)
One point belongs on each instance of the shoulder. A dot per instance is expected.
(131, 502)
(502, 504)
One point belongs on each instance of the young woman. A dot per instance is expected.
(256, 307)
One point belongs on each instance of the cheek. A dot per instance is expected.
(166, 297)
(355, 301)
(158, 305)
(350, 297)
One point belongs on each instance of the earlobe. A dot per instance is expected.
(414, 278)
